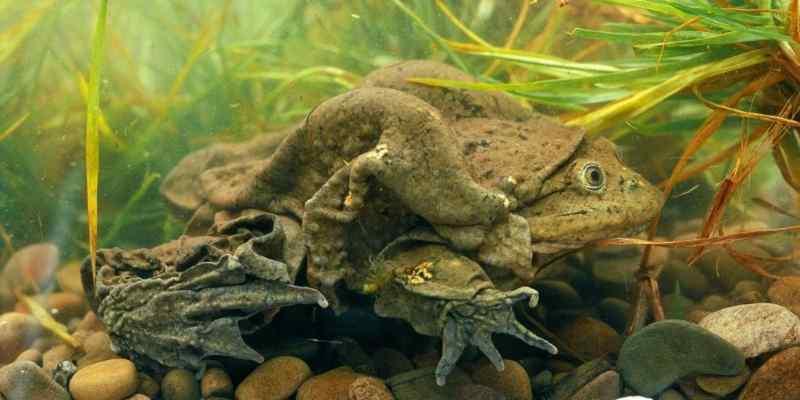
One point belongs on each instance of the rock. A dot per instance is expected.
(718, 266)
(694, 392)
(513, 381)
(614, 312)
(369, 388)
(557, 293)
(575, 381)
(556, 365)
(332, 385)
(148, 386)
(477, 392)
(786, 292)
(755, 328)
(97, 347)
(69, 278)
(7, 298)
(32, 266)
(180, 384)
(541, 382)
(31, 355)
(276, 379)
(17, 333)
(24, 380)
(427, 360)
(777, 379)
(105, 380)
(55, 355)
(64, 372)
(692, 282)
(715, 302)
(676, 305)
(216, 382)
(66, 305)
(671, 394)
(722, 385)
(696, 315)
(351, 354)
(655, 357)
(590, 338)
(607, 386)
(421, 384)
(139, 396)
(389, 362)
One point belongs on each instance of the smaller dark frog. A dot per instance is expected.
(193, 298)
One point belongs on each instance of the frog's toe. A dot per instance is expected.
(484, 342)
(454, 341)
(518, 330)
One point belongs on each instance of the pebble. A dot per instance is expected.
(590, 338)
(31, 266)
(721, 268)
(106, 380)
(148, 386)
(676, 305)
(777, 379)
(69, 278)
(216, 382)
(786, 292)
(692, 282)
(607, 386)
(755, 329)
(66, 305)
(276, 379)
(55, 355)
(655, 357)
(722, 385)
(331, 385)
(369, 388)
(32, 355)
(7, 298)
(512, 381)
(180, 384)
(24, 380)
(421, 384)
(389, 362)
(97, 347)
(557, 293)
(671, 394)
(694, 392)
(139, 396)
(614, 312)
(17, 333)
(715, 302)
(566, 387)
(477, 392)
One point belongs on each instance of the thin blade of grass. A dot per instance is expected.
(92, 137)
(47, 321)
(14, 126)
(102, 122)
(787, 157)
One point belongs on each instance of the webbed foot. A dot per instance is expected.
(475, 320)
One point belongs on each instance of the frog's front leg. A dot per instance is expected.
(441, 293)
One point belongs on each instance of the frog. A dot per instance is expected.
(441, 203)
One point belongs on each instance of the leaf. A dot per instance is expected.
(47, 321)
(92, 136)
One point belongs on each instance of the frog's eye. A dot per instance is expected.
(592, 177)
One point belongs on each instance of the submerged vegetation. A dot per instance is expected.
(700, 93)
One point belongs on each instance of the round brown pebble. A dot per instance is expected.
(179, 384)
(65, 306)
(777, 379)
(722, 385)
(148, 386)
(390, 362)
(332, 385)
(32, 355)
(276, 379)
(139, 396)
(25, 380)
(590, 338)
(106, 380)
(98, 348)
(31, 266)
(17, 333)
(477, 392)
(369, 388)
(512, 381)
(69, 278)
(786, 292)
(216, 382)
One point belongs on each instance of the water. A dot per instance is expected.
(283, 213)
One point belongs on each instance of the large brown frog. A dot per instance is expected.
(441, 202)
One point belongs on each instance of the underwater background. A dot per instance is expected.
(699, 97)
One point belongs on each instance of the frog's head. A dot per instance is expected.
(592, 196)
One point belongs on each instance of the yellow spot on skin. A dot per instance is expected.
(420, 274)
